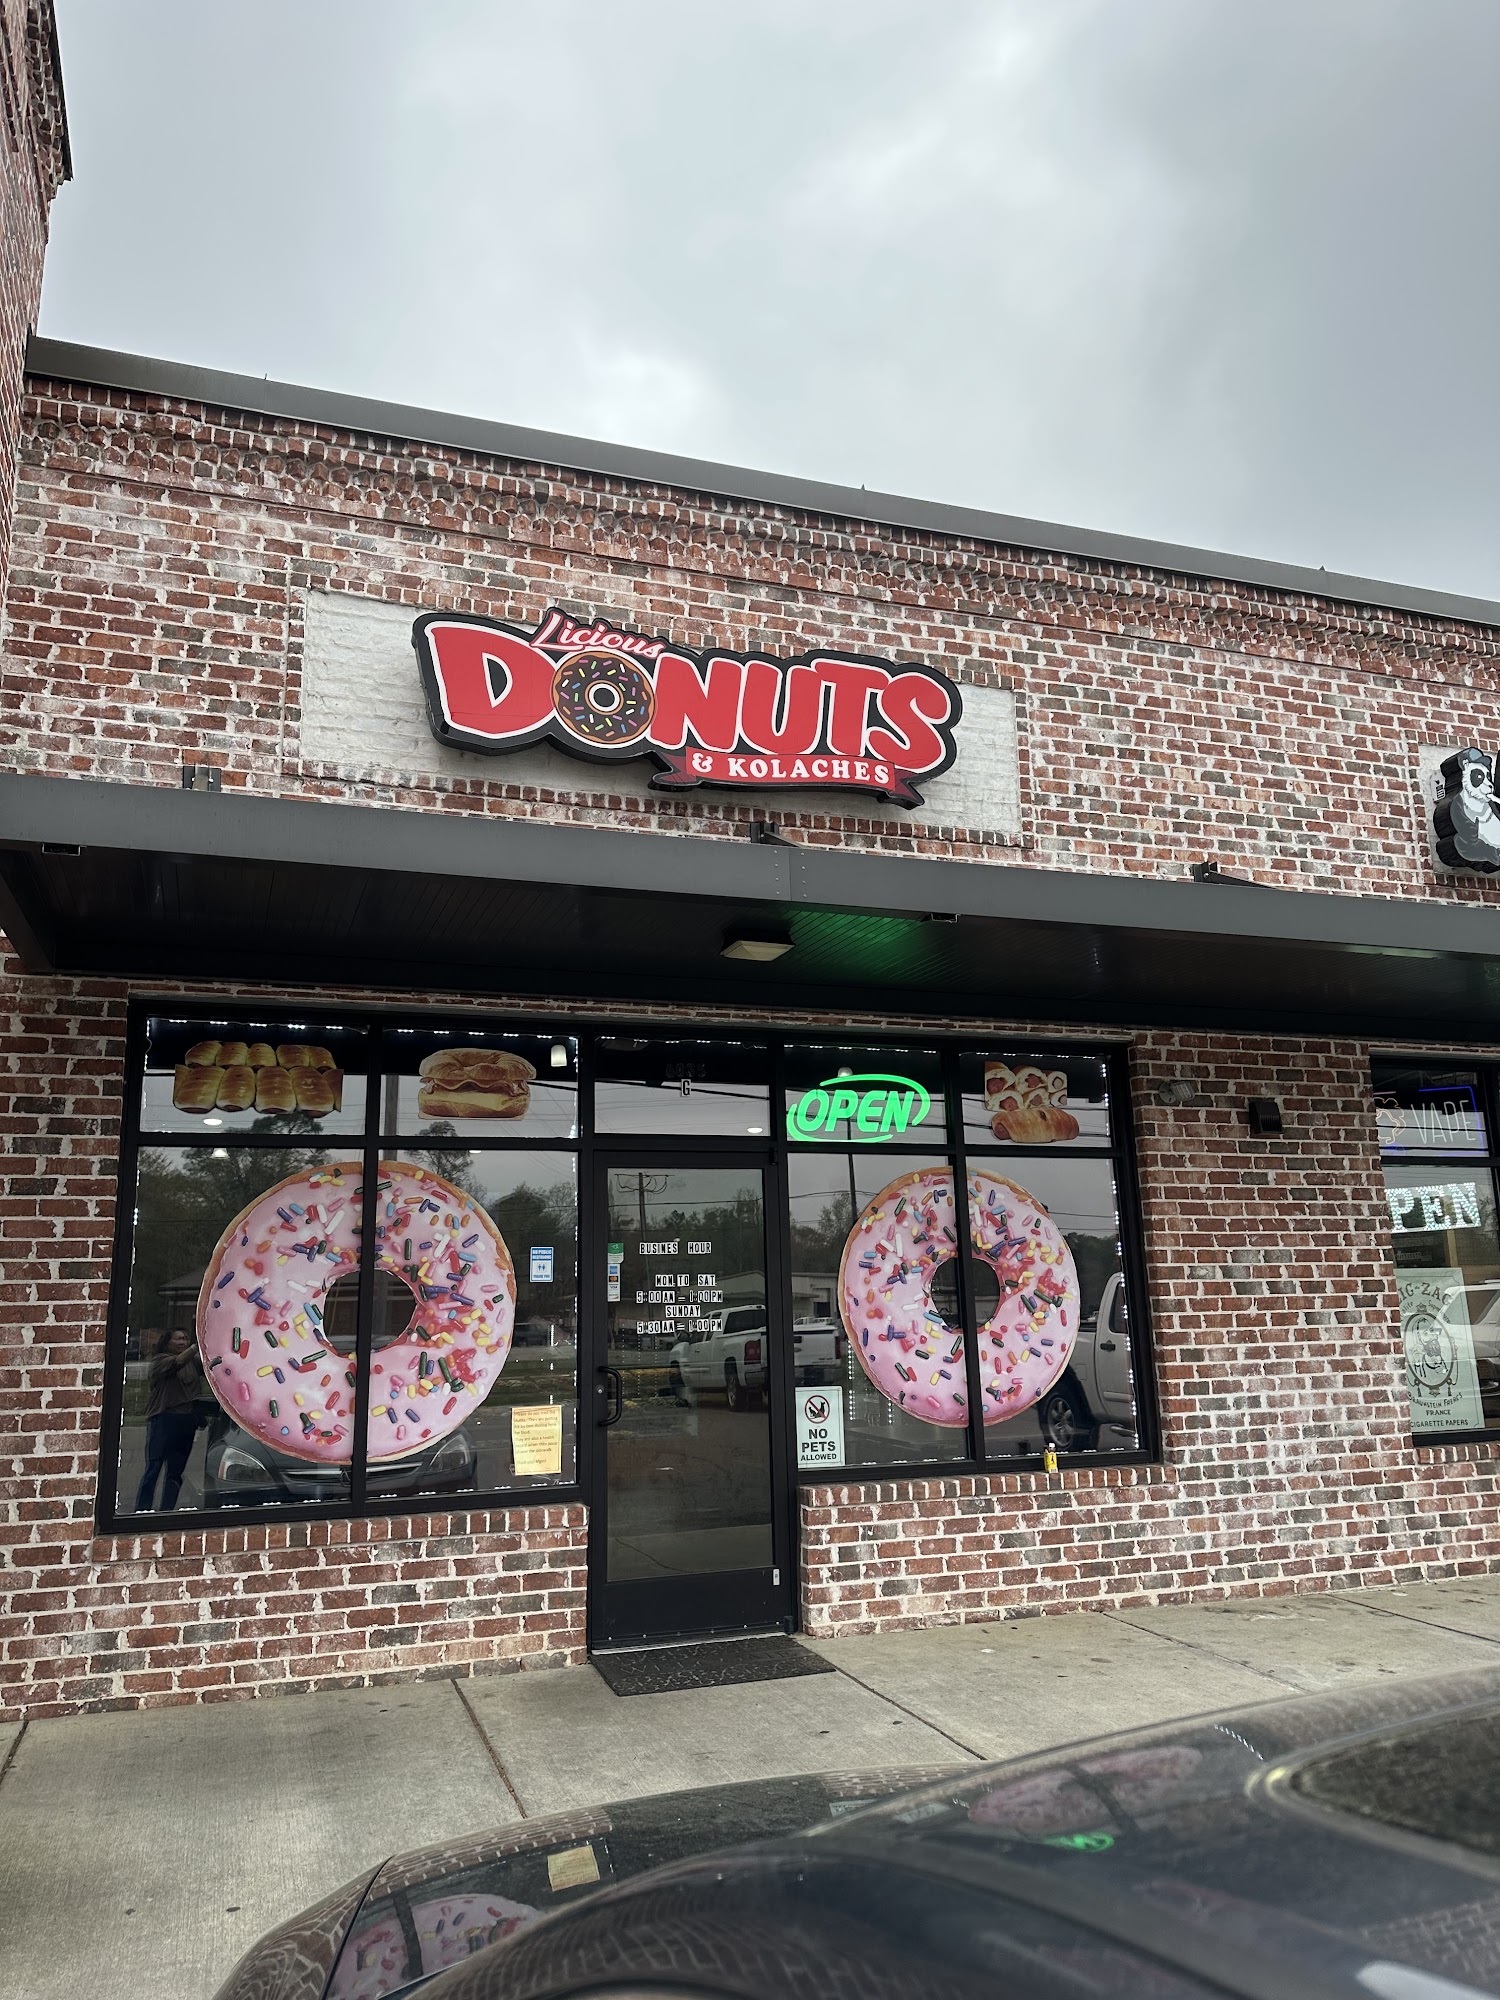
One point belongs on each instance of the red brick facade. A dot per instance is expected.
(33, 163)
(160, 556)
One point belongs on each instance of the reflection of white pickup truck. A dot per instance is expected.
(731, 1355)
(1095, 1388)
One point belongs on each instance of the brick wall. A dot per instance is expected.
(33, 161)
(1287, 1462)
(163, 552)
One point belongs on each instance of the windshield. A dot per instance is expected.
(1442, 1780)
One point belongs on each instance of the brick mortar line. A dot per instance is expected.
(490, 1750)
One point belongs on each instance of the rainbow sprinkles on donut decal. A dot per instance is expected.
(264, 1296)
(906, 1348)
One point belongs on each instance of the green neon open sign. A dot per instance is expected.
(867, 1108)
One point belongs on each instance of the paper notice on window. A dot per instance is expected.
(1442, 1377)
(536, 1440)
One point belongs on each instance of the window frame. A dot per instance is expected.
(376, 1021)
(1484, 1160)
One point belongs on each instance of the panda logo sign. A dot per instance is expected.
(1467, 816)
(820, 1428)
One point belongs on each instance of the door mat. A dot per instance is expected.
(719, 1663)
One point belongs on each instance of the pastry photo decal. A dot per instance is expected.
(902, 1240)
(257, 1076)
(267, 1351)
(474, 1083)
(1035, 1097)
(1028, 1105)
(486, 1081)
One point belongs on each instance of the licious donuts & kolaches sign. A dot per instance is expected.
(838, 721)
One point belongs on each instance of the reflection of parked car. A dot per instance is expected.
(732, 1356)
(1095, 1387)
(240, 1471)
(535, 1333)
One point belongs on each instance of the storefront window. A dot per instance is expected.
(360, 1287)
(523, 1430)
(480, 1083)
(1051, 1306)
(682, 1089)
(1445, 1243)
(1429, 1109)
(232, 1396)
(875, 1303)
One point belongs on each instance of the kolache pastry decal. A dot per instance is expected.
(254, 1076)
(1028, 1105)
(834, 721)
(264, 1300)
(906, 1348)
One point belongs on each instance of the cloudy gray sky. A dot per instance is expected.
(1221, 271)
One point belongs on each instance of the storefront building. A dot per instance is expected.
(599, 1048)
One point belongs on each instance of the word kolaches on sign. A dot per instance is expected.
(834, 720)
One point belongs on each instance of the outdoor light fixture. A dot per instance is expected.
(1176, 1090)
(756, 945)
(1264, 1115)
(559, 1055)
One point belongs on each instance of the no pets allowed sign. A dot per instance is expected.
(820, 1427)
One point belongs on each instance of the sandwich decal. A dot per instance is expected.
(831, 721)
(474, 1083)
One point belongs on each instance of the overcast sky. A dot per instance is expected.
(1225, 272)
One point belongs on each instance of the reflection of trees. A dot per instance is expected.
(184, 1203)
(736, 1229)
(818, 1246)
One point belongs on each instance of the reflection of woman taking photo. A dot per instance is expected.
(176, 1385)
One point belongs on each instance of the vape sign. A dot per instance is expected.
(831, 721)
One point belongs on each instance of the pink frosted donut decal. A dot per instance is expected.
(449, 1930)
(885, 1296)
(261, 1309)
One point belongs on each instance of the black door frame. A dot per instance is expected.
(724, 1602)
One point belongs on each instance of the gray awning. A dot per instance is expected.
(150, 883)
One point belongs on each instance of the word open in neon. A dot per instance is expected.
(866, 1108)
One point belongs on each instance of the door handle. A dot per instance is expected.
(612, 1389)
(1106, 1347)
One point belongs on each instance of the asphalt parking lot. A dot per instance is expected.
(141, 1853)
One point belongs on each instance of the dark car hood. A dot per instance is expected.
(433, 1907)
(1210, 1857)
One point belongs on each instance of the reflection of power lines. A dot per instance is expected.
(644, 1184)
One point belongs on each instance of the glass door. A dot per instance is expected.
(690, 1522)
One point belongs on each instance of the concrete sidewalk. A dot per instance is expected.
(141, 1853)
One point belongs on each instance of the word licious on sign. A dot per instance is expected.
(824, 719)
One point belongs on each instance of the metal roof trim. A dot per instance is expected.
(66, 812)
(142, 375)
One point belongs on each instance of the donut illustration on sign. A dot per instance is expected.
(606, 701)
(261, 1312)
(906, 1347)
